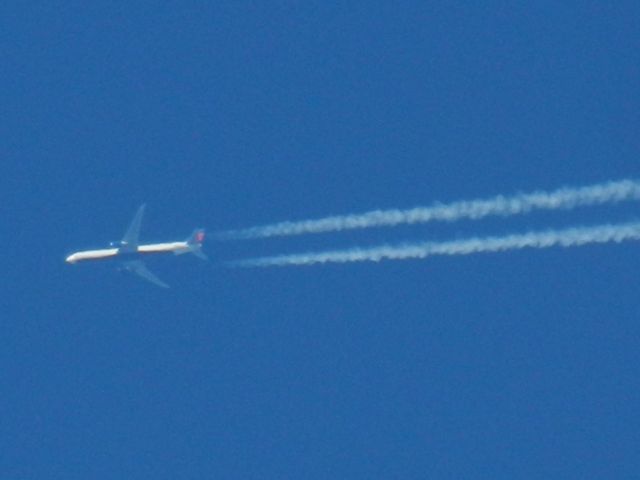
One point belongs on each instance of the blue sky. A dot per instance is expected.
(227, 115)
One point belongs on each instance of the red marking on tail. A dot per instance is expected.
(200, 237)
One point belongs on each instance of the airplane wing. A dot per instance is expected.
(130, 239)
(139, 268)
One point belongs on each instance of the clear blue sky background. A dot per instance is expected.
(232, 114)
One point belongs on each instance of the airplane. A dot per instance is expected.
(130, 251)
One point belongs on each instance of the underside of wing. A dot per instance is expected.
(132, 235)
(140, 268)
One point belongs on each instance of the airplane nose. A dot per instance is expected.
(70, 259)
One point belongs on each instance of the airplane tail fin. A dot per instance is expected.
(194, 242)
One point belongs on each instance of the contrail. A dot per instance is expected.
(571, 237)
(561, 199)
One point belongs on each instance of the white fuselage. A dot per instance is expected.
(176, 248)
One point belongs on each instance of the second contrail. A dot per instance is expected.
(570, 237)
(561, 199)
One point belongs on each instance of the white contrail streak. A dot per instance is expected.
(571, 237)
(562, 199)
